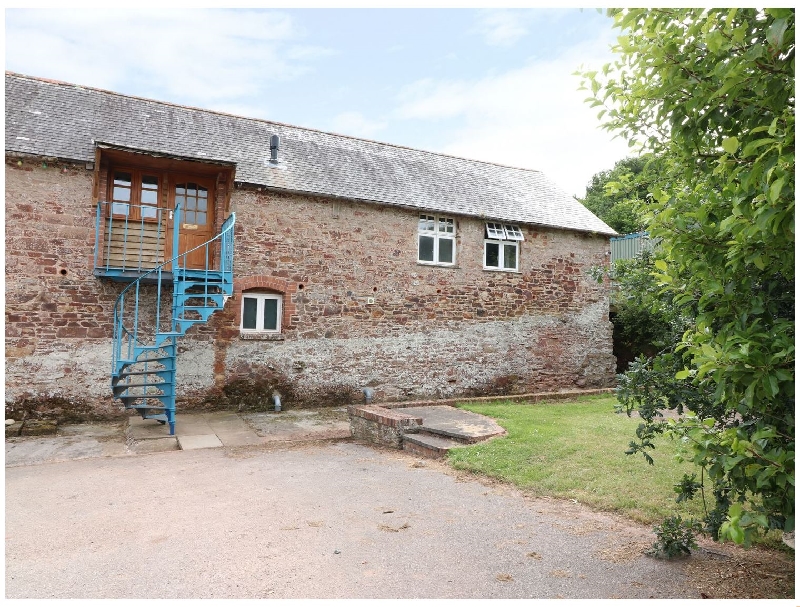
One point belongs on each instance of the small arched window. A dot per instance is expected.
(261, 312)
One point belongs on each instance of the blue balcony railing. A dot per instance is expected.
(129, 239)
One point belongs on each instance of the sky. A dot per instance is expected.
(492, 85)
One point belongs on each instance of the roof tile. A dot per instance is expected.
(67, 121)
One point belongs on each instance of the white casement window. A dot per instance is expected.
(261, 313)
(437, 240)
(501, 247)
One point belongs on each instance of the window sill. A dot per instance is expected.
(502, 270)
(262, 336)
(430, 264)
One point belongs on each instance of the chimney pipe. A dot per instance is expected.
(274, 144)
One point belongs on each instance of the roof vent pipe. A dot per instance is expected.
(274, 144)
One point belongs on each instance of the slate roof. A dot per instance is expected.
(61, 120)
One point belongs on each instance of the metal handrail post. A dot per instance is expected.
(176, 222)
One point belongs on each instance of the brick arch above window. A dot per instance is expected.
(248, 283)
(267, 284)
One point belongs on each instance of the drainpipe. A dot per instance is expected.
(276, 398)
(368, 394)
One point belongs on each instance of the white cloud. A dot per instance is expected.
(501, 28)
(428, 99)
(206, 57)
(309, 52)
(356, 125)
(532, 117)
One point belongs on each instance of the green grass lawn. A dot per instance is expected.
(576, 450)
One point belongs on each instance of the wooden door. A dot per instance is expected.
(195, 195)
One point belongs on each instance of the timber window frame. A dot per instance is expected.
(501, 247)
(193, 195)
(135, 194)
(436, 240)
(261, 313)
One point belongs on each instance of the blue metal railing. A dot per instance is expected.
(128, 321)
(129, 241)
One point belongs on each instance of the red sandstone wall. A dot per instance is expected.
(58, 316)
(358, 309)
(365, 313)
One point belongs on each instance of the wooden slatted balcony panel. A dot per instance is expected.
(131, 244)
(135, 245)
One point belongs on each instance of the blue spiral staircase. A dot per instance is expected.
(157, 308)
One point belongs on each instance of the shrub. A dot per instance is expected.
(675, 537)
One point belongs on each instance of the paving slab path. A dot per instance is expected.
(204, 430)
(320, 520)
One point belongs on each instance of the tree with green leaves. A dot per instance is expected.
(619, 196)
(711, 92)
(645, 321)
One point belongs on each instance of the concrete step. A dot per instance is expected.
(449, 433)
(450, 422)
(429, 445)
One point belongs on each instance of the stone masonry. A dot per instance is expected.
(358, 308)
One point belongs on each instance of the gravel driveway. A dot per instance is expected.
(322, 520)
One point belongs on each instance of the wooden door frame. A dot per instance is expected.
(218, 177)
(207, 181)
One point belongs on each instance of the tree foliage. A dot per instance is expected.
(619, 196)
(646, 323)
(711, 92)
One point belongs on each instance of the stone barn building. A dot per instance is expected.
(257, 257)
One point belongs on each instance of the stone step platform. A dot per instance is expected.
(463, 426)
(429, 430)
(429, 445)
